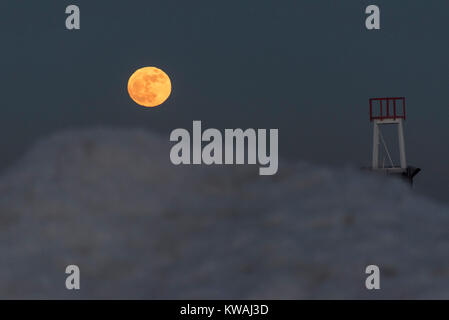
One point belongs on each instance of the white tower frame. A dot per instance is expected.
(388, 116)
(377, 140)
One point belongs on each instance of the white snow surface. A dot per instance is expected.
(111, 202)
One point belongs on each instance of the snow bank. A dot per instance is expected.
(111, 202)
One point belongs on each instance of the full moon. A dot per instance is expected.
(149, 86)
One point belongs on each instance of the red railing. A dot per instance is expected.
(392, 108)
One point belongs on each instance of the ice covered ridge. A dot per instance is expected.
(111, 202)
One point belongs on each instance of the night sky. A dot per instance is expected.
(305, 67)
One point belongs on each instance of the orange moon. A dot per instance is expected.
(149, 86)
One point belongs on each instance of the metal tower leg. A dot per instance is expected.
(376, 146)
(402, 145)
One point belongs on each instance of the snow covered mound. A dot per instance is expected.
(111, 202)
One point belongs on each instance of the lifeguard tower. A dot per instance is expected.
(384, 112)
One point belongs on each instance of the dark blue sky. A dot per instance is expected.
(305, 67)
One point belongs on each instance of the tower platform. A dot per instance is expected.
(407, 173)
